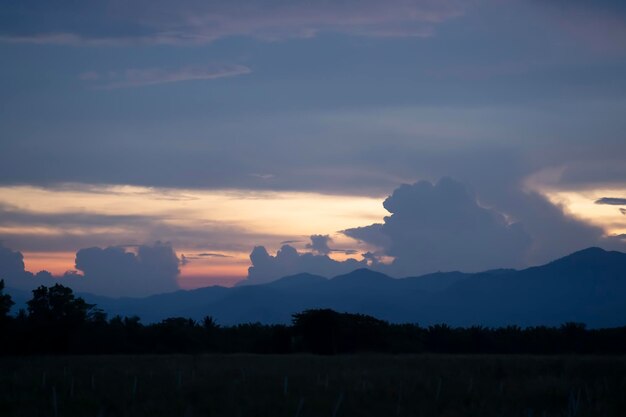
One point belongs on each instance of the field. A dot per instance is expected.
(307, 386)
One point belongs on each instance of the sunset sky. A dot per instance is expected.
(206, 129)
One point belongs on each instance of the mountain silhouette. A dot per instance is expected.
(588, 286)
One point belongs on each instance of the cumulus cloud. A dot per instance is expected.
(154, 76)
(442, 226)
(115, 271)
(319, 244)
(12, 266)
(197, 22)
(288, 261)
(112, 271)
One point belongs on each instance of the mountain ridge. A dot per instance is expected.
(586, 286)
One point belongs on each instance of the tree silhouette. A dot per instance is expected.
(5, 302)
(56, 318)
(326, 331)
(58, 304)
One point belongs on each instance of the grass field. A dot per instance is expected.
(307, 386)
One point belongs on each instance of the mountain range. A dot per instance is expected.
(588, 286)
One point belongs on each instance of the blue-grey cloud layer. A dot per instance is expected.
(350, 97)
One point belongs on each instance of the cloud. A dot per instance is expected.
(186, 259)
(613, 201)
(162, 22)
(289, 242)
(288, 261)
(154, 76)
(442, 226)
(445, 226)
(33, 231)
(319, 244)
(12, 265)
(372, 234)
(114, 271)
(111, 271)
(346, 251)
(15, 216)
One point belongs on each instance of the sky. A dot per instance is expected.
(147, 146)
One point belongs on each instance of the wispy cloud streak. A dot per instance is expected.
(154, 76)
(612, 201)
(199, 22)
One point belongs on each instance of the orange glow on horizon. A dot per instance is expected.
(582, 205)
(263, 212)
(239, 219)
(57, 263)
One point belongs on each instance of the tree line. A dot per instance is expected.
(58, 322)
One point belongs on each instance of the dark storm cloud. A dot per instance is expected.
(112, 271)
(288, 261)
(433, 227)
(612, 201)
(442, 227)
(445, 226)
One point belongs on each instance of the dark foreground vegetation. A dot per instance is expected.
(554, 381)
(312, 385)
(57, 322)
